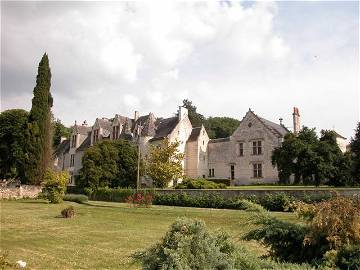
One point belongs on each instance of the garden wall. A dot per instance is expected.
(231, 193)
(24, 191)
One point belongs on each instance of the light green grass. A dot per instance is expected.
(103, 235)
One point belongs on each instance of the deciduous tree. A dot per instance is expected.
(164, 163)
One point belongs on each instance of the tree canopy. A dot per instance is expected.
(109, 164)
(12, 143)
(312, 160)
(355, 150)
(164, 163)
(59, 131)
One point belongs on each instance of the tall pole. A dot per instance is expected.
(138, 164)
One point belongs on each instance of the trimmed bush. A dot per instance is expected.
(226, 182)
(189, 245)
(277, 202)
(140, 199)
(68, 212)
(55, 185)
(111, 194)
(78, 198)
(199, 184)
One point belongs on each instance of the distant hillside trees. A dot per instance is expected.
(12, 143)
(109, 164)
(39, 130)
(312, 160)
(216, 127)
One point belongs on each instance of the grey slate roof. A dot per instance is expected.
(85, 144)
(194, 134)
(104, 123)
(220, 140)
(62, 148)
(83, 130)
(279, 129)
(165, 127)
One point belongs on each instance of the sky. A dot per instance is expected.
(112, 58)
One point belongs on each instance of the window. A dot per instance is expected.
(257, 148)
(209, 172)
(257, 168)
(73, 141)
(72, 160)
(95, 135)
(212, 171)
(203, 175)
(116, 132)
(232, 172)
(241, 149)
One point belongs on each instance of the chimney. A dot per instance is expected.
(136, 116)
(296, 120)
(84, 124)
(182, 112)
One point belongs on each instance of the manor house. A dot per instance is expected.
(244, 157)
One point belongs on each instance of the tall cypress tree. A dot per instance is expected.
(39, 125)
(355, 150)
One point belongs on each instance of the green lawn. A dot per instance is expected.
(102, 235)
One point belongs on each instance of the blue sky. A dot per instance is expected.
(117, 57)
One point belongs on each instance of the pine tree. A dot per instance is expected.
(39, 135)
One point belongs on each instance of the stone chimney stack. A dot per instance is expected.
(182, 112)
(136, 116)
(296, 120)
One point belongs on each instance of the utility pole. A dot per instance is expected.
(138, 165)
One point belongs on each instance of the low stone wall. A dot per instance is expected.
(24, 191)
(231, 193)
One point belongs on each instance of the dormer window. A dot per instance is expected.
(73, 140)
(95, 135)
(116, 132)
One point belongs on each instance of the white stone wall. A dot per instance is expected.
(224, 154)
(342, 143)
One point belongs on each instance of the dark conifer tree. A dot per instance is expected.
(39, 134)
(355, 150)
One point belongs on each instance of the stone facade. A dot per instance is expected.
(244, 157)
(23, 191)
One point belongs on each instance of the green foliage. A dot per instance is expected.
(189, 245)
(199, 184)
(277, 202)
(164, 163)
(78, 198)
(68, 212)
(221, 127)
(312, 160)
(111, 194)
(355, 151)
(286, 240)
(38, 132)
(109, 164)
(348, 258)
(59, 131)
(54, 185)
(12, 144)
(226, 182)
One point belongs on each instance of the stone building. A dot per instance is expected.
(244, 157)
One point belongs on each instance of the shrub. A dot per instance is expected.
(189, 245)
(78, 198)
(111, 194)
(286, 240)
(199, 184)
(68, 212)
(226, 182)
(277, 202)
(338, 219)
(348, 258)
(140, 199)
(55, 185)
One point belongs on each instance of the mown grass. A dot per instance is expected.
(103, 235)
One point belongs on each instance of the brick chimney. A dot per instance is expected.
(136, 116)
(296, 120)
